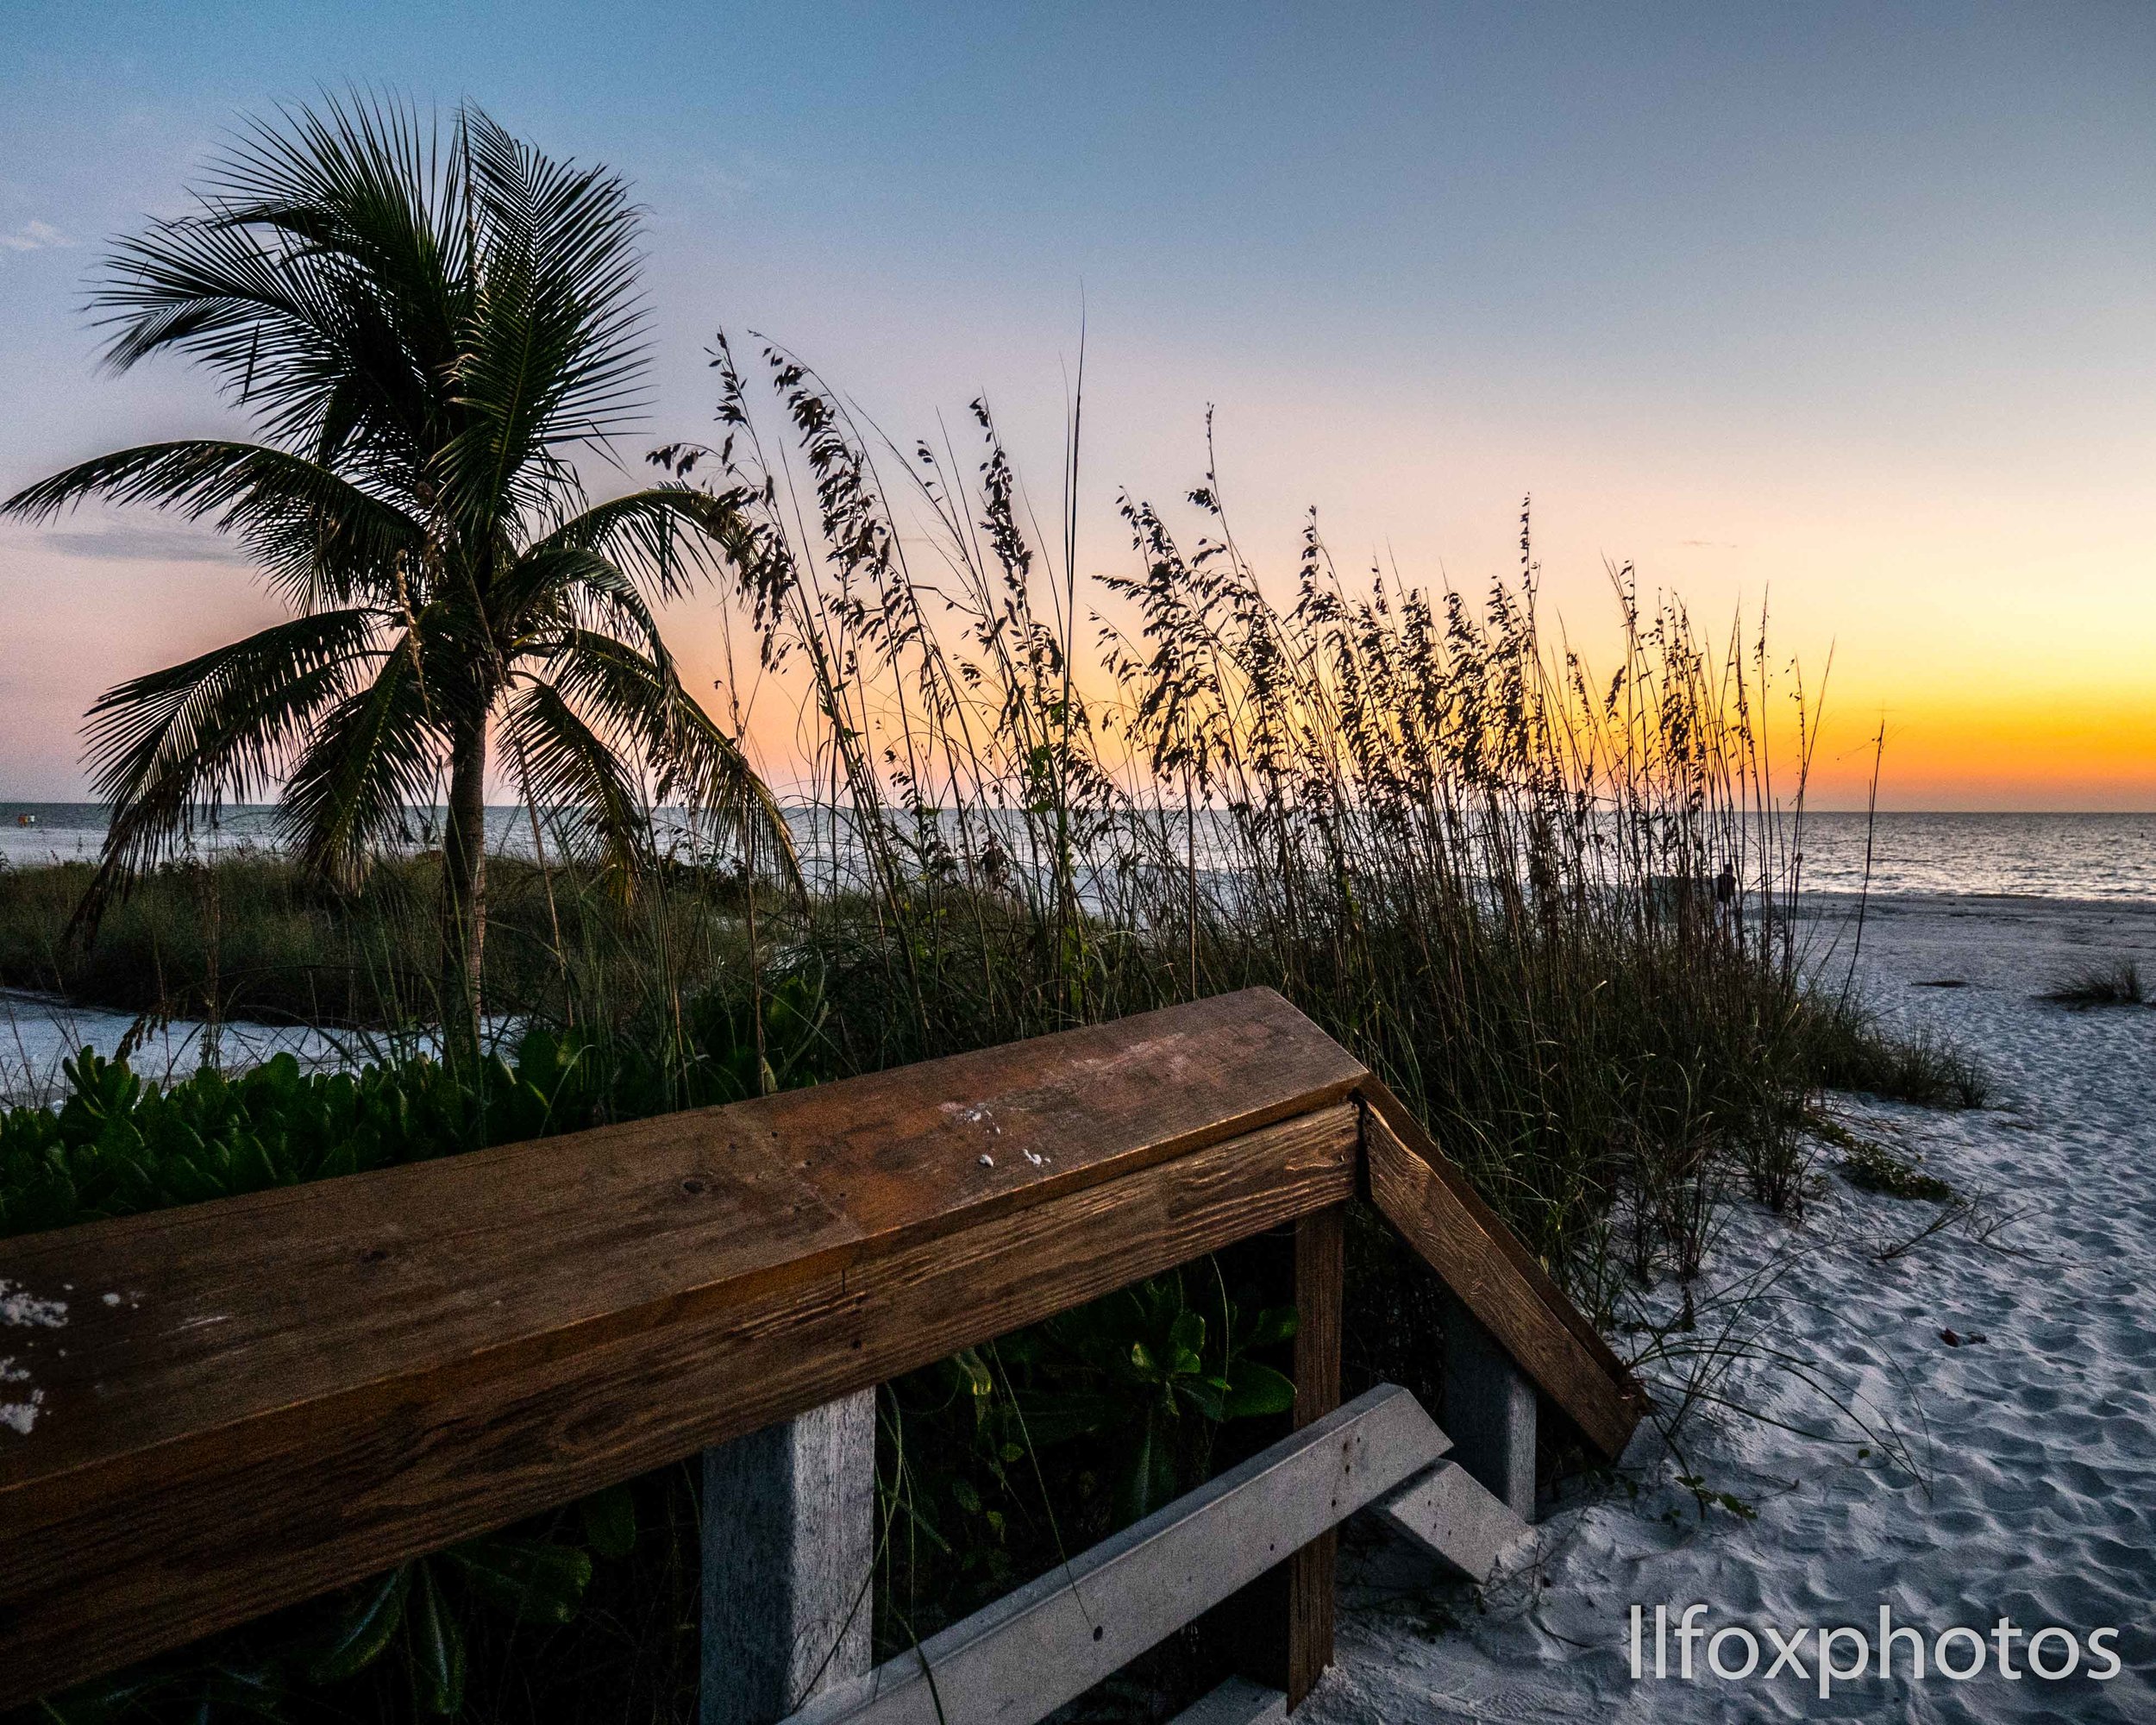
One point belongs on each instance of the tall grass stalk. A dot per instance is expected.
(1490, 868)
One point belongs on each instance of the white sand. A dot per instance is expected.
(2034, 1489)
(38, 1032)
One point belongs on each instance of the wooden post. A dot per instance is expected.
(1278, 1630)
(789, 1541)
(1490, 1412)
(1320, 1274)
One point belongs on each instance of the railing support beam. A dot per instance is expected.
(1490, 1412)
(1279, 1629)
(789, 1541)
(1047, 1642)
(1320, 1293)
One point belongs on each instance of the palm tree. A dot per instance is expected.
(425, 329)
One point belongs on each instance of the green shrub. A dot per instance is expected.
(1871, 1166)
(248, 935)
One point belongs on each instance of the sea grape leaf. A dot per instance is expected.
(437, 1644)
(365, 1628)
(1254, 1388)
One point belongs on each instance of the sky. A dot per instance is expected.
(1846, 311)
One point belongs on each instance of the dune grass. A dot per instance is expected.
(1872, 1166)
(248, 935)
(1034, 801)
(2111, 983)
(1852, 1050)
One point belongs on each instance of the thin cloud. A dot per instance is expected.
(741, 177)
(36, 236)
(1709, 544)
(121, 544)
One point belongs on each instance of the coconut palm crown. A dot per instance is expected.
(425, 324)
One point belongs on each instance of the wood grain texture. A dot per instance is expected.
(788, 1551)
(1320, 1294)
(1494, 1276)
(286, 1391)
(93, 1578)
(213, 1317)
(1277, 1631)
(254, 1401)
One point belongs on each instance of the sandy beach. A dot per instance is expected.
(2013, 1475)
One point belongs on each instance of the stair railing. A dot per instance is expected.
(236, 1406)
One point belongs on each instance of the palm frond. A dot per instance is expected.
(662, 536)
(319, 538)
(166, 748)
(695, 763)
(375, 755)
(324, 281)
(554, 586)
(553, 353)
(567, 767)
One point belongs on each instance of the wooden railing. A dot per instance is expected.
(241, 1404)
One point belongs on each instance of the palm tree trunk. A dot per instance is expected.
(464, 894)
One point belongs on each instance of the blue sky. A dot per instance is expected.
(1850, 304)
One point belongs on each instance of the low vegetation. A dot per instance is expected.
(2112, 982)
(1872, 1166)
(252, 936)
(1854, 1052)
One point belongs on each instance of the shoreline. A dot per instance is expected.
(2100, 855)
(1842, 898)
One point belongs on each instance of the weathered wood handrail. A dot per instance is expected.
(252, 1400)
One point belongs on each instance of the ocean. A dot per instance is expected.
(2021, 856)
(2042, 855)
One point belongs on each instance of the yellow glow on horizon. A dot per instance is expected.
(2009, 734)
(2090, 751)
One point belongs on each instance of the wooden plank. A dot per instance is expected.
(234, 1316)
(1033, 1650)
(1493, 1276)
(123, 1555)
(1320, 1293)
(1489, 1411)
(253, 1401)
(1448, 1512)
(1278, 1631)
